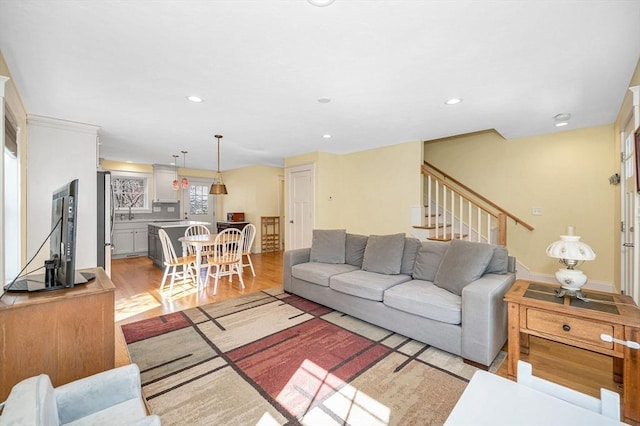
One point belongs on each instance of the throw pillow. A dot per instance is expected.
(499, 263)
(355, 249)
(428, 259)
(462, 263)
(411, 247)
(328, 246)
(383, 254)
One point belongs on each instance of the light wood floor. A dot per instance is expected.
(137, 283)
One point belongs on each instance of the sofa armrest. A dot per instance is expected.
(91, 394)
(484, 317)
(291, 258)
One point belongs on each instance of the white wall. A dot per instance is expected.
(59, 151)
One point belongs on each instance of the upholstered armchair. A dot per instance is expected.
(112, 397)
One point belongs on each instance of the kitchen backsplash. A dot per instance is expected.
(161, 211)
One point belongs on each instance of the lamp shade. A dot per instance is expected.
(571, 248)
(218, 189)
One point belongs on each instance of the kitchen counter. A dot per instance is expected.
(177, 223)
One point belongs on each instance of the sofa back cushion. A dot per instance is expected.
(499, 263)
(462, 263)
(411, 247)
(355, 249)
(428, 260)
(328, 246)
(383, 254)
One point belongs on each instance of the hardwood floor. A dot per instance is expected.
(137, 294)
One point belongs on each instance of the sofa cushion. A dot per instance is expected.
(364, 284)
(31, 402)
(383, 254)
(118, 414)
(462, 263)
(411, 247)
(355, 249)
(499, 263)
(428, 260)
(426, 300)
(328, 245)
(319, 273)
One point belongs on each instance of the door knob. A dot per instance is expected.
(290, 221)
(627, 245)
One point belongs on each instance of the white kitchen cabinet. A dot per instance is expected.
(130, 239)
(163, 177)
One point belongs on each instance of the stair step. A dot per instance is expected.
(447, 237)
(432, 226)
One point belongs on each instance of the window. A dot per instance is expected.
(198, 199)
(131, 190)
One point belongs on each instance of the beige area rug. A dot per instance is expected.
(270, 358)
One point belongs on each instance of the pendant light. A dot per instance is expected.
(185, 181)
(218, 188)
(176, 184)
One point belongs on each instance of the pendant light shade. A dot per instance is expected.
(218, 187)
(185, 181)
(176, 184)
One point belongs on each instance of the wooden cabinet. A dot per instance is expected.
(129, 239)
(67, 334)
(163, 177)
(222, 225)
(270, 237)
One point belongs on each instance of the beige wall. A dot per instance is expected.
(366, 192)
(566, 174)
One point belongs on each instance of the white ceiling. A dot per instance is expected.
(261, 66)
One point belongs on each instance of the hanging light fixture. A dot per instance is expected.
(185, 181)
(176, 184)
(218, 188)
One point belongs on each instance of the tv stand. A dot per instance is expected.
(37, 283)
(67, 334)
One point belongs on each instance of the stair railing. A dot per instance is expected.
(453, 210)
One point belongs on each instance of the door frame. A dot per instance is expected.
(289, 171)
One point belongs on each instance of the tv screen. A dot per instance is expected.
(63, 239)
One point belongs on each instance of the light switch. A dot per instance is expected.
(536, 211)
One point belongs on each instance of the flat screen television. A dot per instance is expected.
(62, 242)
(61, 266)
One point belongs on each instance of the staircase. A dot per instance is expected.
(452, 210)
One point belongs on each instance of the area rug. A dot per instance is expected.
(270, 358)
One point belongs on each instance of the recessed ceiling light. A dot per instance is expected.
(562, 119)
(321, 3)
(326, 136)
(324, 100)
(453, 101)
(195, 99)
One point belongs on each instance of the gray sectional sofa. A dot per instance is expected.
(445, 294)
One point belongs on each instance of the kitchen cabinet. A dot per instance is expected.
(163, 177)
(129, 239)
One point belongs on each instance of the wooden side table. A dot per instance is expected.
(534, 310)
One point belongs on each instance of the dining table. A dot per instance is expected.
(199, 242)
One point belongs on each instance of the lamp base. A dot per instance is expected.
(578, 294)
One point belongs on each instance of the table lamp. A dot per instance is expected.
(571, 251)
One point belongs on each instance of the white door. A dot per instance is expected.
(300, 206)
(630, 208)
(197, 204)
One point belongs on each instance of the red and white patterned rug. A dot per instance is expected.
(274, 358)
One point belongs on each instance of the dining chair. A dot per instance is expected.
(247, 242)
(173, 262)
(198, 230)
(226, 257)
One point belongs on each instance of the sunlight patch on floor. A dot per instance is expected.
(318, 397)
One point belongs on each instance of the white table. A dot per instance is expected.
(494, 400)
(198, 242)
